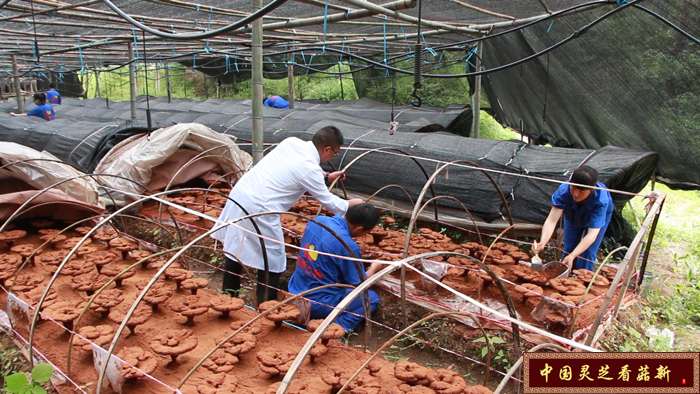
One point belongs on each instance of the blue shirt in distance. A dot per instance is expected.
(276, 102)
(43, 111)
(595, 212)
(53, 97)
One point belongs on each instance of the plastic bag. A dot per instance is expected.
(435, 270)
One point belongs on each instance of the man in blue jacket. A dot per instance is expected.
(314, 269)
(52, 96)
(42, 110)
(587, 213)
(276, 102)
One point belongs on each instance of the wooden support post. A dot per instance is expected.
(18, 88)
(168, 87)
(257, 85)
(290, 77)
(132, 80)
(157, 80)
(98, 91)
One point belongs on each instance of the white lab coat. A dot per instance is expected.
(276, 183)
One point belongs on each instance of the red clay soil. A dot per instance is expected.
(245, 377)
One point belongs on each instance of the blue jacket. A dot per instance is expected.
(596, 212)
(276, 102)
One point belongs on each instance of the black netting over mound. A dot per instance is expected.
(83, 132)
(630, 81)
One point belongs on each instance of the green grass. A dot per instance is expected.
(675, 291)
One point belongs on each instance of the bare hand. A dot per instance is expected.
(13, 114)
(569, 260)
(339, 175)
(536, 248)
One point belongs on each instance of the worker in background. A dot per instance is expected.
(276, 102)
(52, 96)
(42, 110)
(314, 269)
(587, 213)
(273, 185)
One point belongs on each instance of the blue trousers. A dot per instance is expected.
(572, 237)
(346, 320)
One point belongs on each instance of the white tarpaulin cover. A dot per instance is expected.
(154, 161)
(41, 170)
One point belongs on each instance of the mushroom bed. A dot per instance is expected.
(176, 324)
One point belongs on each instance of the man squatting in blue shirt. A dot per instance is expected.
(314, 270)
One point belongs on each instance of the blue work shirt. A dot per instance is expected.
(53, 97)
(43, 111)
(276, 102)
(595, 212)
(313, 269)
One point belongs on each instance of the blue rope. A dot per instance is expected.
(228, 64)
(136, 45)
(325, 25)
(406, 39)
(550, 25)
(621, 2)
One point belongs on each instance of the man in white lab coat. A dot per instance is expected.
(276, 183)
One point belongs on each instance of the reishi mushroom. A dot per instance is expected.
(64, 312)
(99, 335)
(194, 284)
(220, 362)
(226, 304)
(141, 315)
(333, 331)
(190, 306)
(280, 313)
(174, 343)
(107, 300)
(275, 361)
(136, 356)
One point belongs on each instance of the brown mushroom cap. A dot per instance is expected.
(194, 284)
(10, 259)
(141, 315)
(478, 389)
(239, 344)
(136, 356)
(519, 256)
(281, 313)
(64, 312)
(318, 350)
(190, 306)
(174, 342)
(225, 304)
(335, 377)
(530, 290)
(54, 257)
(587, 276)
(178, 275)
(6, 272)
(88, 283)
(25, 282)
(12, 235)
(102, 257)
(47, 231)
(568, 286)
(364, 384)
(71, 242)
(99, 335)
(105, 235)
(25, 250)
(77, 267)
(446, 381)
(219, 384)
(275, 362)
(334, 330)
(53, 238)
(117, 271)
(158, 294)
(144, 256)
(374, 367)
(220, 362)
(410, 372)
(107, 300)
(82, 230)
(254, 329)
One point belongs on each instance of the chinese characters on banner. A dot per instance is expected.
(612, 373)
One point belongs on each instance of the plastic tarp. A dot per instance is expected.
(137, 161)
(28, 174)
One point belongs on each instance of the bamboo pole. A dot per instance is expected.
(257, 85)
(97, 84)
(132, 81)
(290, 78)
(168, 86)
(18, 87)
(476, 98)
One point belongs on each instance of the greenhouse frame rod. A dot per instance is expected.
(257, 93)
(49, 10)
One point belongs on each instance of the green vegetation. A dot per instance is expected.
(22, 383)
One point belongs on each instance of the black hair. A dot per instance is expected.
(52, 85)
(41, 97)
(327, 136)
(585, 175)
(365, 215)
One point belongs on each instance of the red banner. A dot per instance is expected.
(631, 373)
